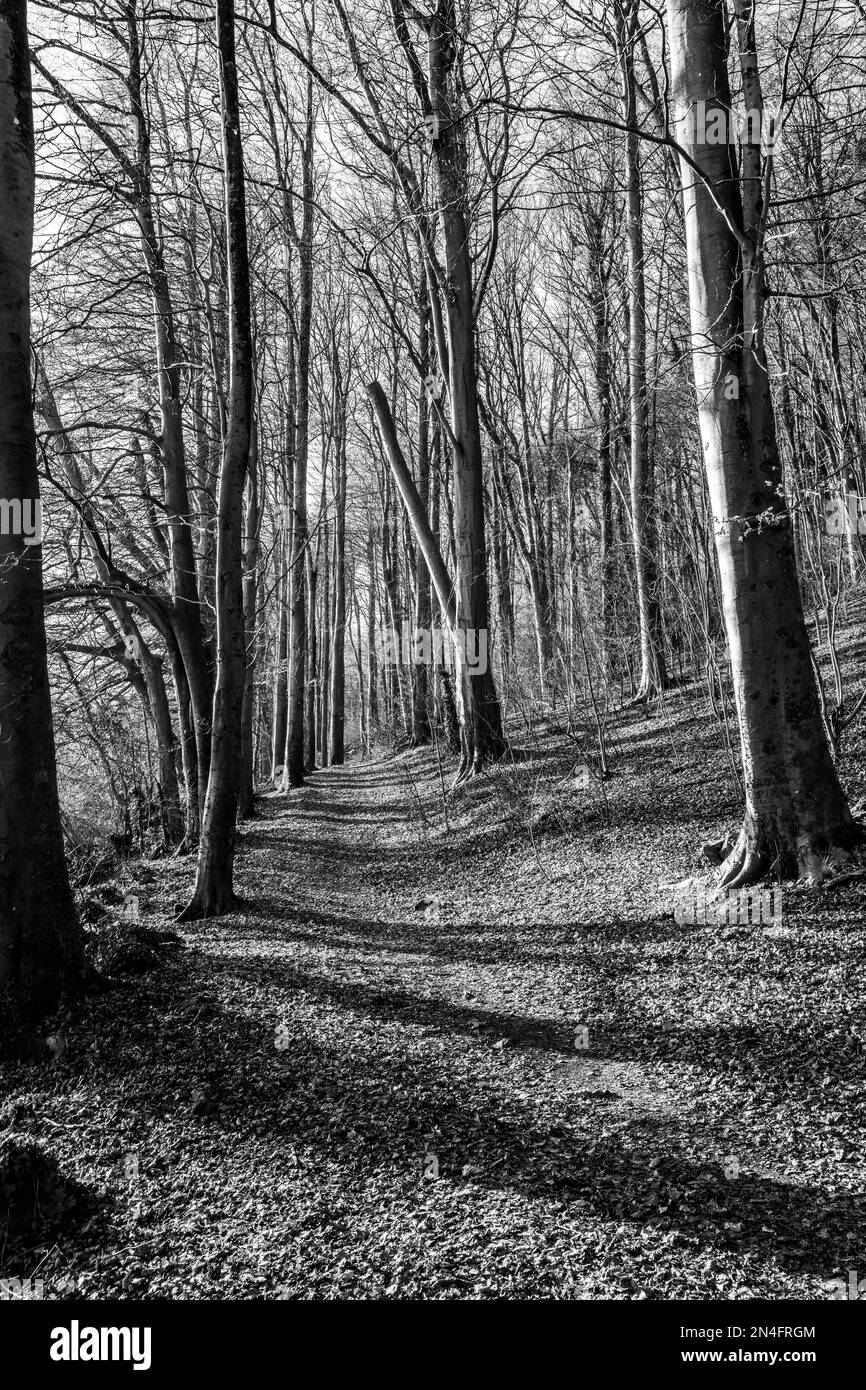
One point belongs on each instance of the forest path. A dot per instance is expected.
(394, 910)
(370, 1081)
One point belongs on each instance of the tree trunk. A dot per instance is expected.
(325, 690)
(156, 699)
(372, 663)
(502, 572)
(477, 701)
(295, 749)
(246, 805)
(598, 233)
(311, 570)
(653, 675)
(336, 740)
(795, 808)
(420, 711)
(40, 943)
(214, 890)
(280, 717)
(185, 593)
(394, 675)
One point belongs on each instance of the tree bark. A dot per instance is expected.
(246, 804)
(372, 662)
(214, 889)
(41, 953)
(293, 775)
(653, 675)
(337, 703)
(190, 633)
(795, 807)
(477, 701)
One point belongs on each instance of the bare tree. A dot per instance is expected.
(40, 944)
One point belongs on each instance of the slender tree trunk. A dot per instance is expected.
(372, 663)
(280, 715)
(166, 745)
(502, 572)
(653, 676)
(186, 727)
(364, 718)
(443, 686)
(214, 890)
(246, 805)
(324, 703)
(420, 698)
(295, 746)
(185, 593)
(394, 673)
(314, 675)
(336, 741)
(795, 809)
(40, 944)
(599, 280)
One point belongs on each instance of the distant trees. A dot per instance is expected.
(434, 375)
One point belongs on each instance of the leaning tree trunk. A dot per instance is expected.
(795, 807)
(214, 889)
(156, 700)
(40, 943)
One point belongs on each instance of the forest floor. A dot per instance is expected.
(371, 1083)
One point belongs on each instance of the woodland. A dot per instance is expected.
(432, 632)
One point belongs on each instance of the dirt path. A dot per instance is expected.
(374, 1081)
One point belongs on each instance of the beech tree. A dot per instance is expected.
(796, 810)
(214, 887)
(40, 944)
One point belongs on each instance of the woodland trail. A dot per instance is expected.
(285, 1079)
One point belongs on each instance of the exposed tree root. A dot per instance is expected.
(291, 784)
(220, 903)
(716, 851)
(745, 864)
(648, 692)
(747, 860)
(843, 879)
